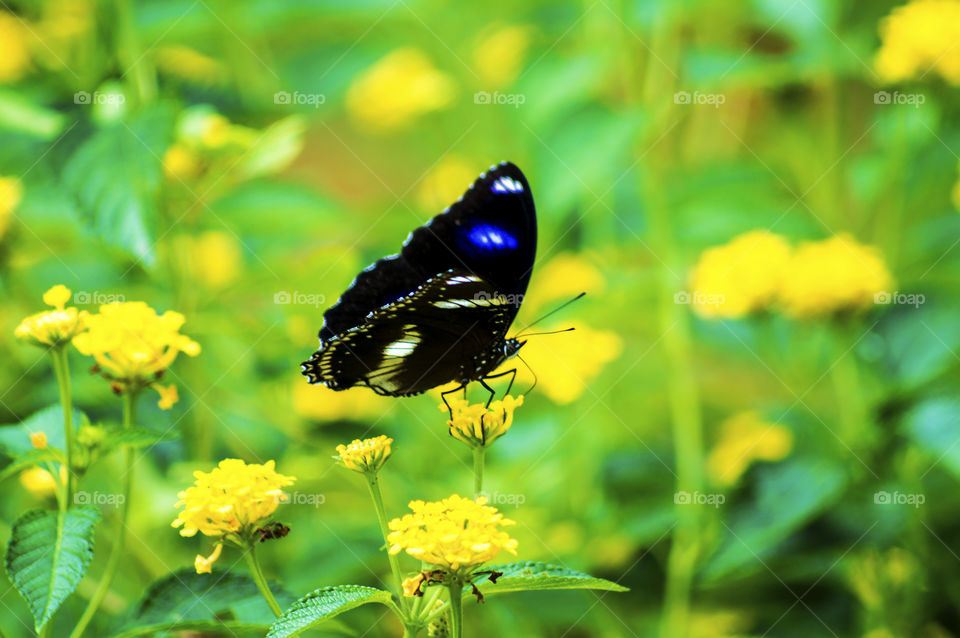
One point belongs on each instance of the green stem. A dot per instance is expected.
(62, 370)
(478, 458)
(120, 531)
(456, 609)
(845, 377)
(373, 483)
(258, 577)
(138, 65)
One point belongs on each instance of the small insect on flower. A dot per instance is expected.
(479, 425)
(456, 534)
(53, 327)
(133, 346)
(367, 455)
(232, 501)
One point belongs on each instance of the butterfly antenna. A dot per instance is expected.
(551, 332)
(554, 311)
(531, 372)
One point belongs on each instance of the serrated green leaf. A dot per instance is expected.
(322, 604)
(536, 576)
(48, 554)
(116, 175)
(186, 600)
(31, 458)
(136, 437)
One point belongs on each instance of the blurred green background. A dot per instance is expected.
(239, 161)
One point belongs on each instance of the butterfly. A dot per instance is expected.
(438, 311)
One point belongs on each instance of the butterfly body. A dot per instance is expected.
(439, 310)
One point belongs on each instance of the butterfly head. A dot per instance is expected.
(511, 347)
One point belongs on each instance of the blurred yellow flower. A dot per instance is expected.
(233, 498)
(745, 438)
(320, 403)
(920, 37)
(216, 258)
(498, 56)
(478, 425)
(168, 395)
(367, 455)
(832, 275)
(14, 51)
(739, 277)
(189, 64)
(204, 564)
(11, 193)
(180, 163)
(562, 278)
(456, 533)
(53, 327)
(132, 344)
(41, 483)
(397, 89)
(38, 440)
(445, 183)
(567, 362)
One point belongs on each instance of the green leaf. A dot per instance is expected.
(932, 426)
(136, 437)
(188, 601)
(31, 458)
(535, 576)
(116, 175)
(274, 149)
(15, 438)
(322, 604)
(48, 554)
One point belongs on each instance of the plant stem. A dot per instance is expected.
(119, 535)
(373, 483)
(138, 65)
(62, 370)
(478, 457)
(456, 609)
(258, 577)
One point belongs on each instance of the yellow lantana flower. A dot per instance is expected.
(14, 53)
(739, 277)
(180, 163)
(204, 564)
(232, 499)
(562, 278)
(455, 534)
(745, 438)
(478, 425)
(919, 37)
(832, 275)
(498, 55)
(38, 440)
(400, 87)
(189, 64)
(40, 482)
(11, 193)
(53, 327)
(168, 396)
(133, 345)
(446, 182)
(367, 455)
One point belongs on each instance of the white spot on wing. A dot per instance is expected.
(506, 184)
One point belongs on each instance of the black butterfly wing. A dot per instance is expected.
(490, 232)
(449, 329)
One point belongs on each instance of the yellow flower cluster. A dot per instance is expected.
(11, 193)
(740, 277)
(53, 327)
(232, 498)
(397, 89)
(919, 37)
(759, 271)
(133, 345)
(367, 455)
(745, 438)
(14, 53)
(202, 135)
(478, 425)
(456, 533)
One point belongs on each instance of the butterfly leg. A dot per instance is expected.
(443, 396)
(513, 376)
(486, 387)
